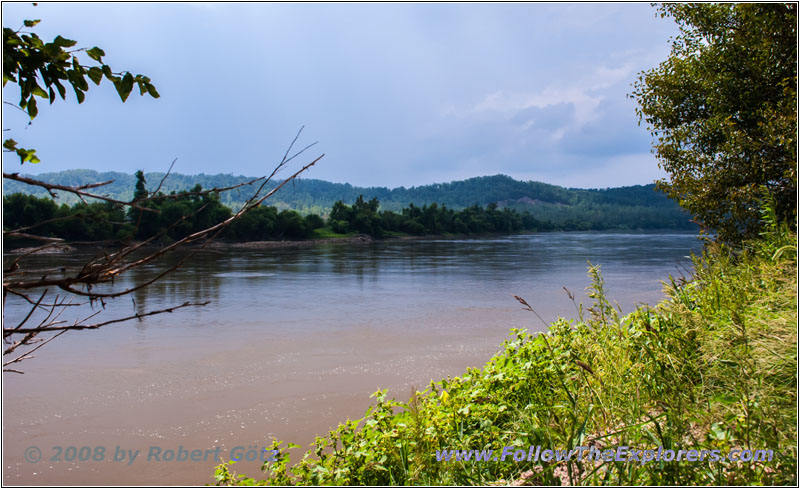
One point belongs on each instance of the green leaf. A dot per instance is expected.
(52, 95)
(33, 41)
(107, 71)
(77, 80)
(151, 90)
(31, 23)
(95, 74)
(96, 54)
(27, 155)
(32, 109)
(10, 144)
(61, 90)
(127, 82)
(39, 91)
(125, 86)
(725, 399)
(63, 42)
(51, 50)
(79, 94)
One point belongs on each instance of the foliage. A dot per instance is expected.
(723, 112)
(97, 221)
(363, 217)
(27, 60)
(712, 367)
(179, 214)
(635, 207)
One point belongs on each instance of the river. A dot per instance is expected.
(293, 341)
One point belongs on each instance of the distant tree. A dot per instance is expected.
(723, 112)
(313, 221)
(193, 217)
(291, 225)
(140, 191)
(365, 218)
(340, 212)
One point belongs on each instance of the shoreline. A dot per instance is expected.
(257, 245)
(359, 239)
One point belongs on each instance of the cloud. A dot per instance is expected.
(585, 95)
(397, 94)
(555, 130)
(613, 133)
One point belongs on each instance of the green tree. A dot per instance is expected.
(722, 110)
(313, 221)
(140, 191)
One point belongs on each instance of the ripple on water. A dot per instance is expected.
(243, 274)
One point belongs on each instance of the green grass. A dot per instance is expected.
(327, 233)
(711, 367)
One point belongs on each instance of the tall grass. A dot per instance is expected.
(711, 367)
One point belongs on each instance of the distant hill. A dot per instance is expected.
(638, 206)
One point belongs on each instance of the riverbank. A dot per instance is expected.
(219, 245)
(358, 239)
(351, 240)
(293, 342)
(713, 367)
(258, 245)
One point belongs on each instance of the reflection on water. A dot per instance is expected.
(295, 339)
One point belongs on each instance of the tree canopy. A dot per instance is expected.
(722, 110)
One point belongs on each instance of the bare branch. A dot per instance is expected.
(30, 313)
(81, 281)
(33, 237)
(28, 353)
(169, 170)
(112, 321)
(79, 191)
(43, 306)
(33, 251)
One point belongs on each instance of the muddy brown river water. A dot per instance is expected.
(293, 342)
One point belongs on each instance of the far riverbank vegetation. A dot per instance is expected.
(107, 221)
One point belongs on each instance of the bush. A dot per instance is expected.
(341, 227)
(712, 367)
(313, 222)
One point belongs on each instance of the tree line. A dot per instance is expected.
(175, 215)
(312, 196)
(185, 213)
(363, 217)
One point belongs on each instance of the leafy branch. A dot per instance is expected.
(28, 60)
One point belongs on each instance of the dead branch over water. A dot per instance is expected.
(51, 293)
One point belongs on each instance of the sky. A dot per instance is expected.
(395, 94)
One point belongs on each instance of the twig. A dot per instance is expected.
(112, 321)
(79, 191)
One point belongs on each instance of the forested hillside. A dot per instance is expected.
(638, 206)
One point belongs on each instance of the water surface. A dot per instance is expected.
(295, 340)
